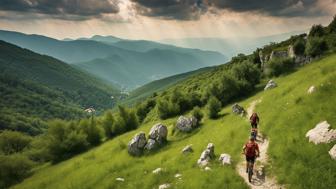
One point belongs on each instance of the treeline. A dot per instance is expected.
(19, 152)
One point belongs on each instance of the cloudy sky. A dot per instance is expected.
(160, 19)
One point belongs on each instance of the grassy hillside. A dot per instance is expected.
(160, 85)
(41, 86)
(287, 113)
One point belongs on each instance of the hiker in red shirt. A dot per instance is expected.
(254, 120)
(251, 151)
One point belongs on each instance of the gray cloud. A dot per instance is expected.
(67, 9)
(192, 9)
(171, 9)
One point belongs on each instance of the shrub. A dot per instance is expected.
(316, 46)
(246, 72)
(107, 122)
(13, 169)
(316, 31)
(127, 120)
(299, 47)
(332, 25)
(214, 107)
(278, 66)
(13, 142)
(91, 130)
(144, 108)
(167, 109)
(197, 113)
(65, 140)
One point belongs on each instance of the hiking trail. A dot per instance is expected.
(259, 179)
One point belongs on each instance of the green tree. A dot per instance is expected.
(213, 107)
(197, 113)
(13, 142)
(108, 122)
(13, 169)
(299, 47)
(91, 130)
(316, 46)
(316, 31)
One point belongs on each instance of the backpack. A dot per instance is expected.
(250, 149)
(254, 118)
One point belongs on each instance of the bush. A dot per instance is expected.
(197, 113)
(332, 25)
(91, 130)
(299, 47)
(107, 122)
(65, 140)
(279, 66)
(316, 31)
(167, 109)
(214, 107)
(225, 89)
(316, 46)
(128, 118)
(246, 72)
(13, 142)
(144, 108)
(13, 169)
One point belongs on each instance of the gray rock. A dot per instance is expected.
(278, 54)
(157, 170)
(225, 159)
(207, 169)
(186, 124)
(151, 144)
(158, 133)
(311, 89)
(120, 179)
(164, 186)
(206, 155)
(238, 109)
(332, 152)
(321, 133)
(187, 149)
(137, 144)
(270, 85)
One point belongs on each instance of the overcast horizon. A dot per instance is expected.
(157, 19)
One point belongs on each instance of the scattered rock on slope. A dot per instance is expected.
(187, 149)
(238, 109)
(151, 144)
(270, 85)
(225, 159)
(164, 186)
(157, 170)
(137, 144)
(207, 155)
(332, 152)
(158, 133)
(321, 133)
(311, 89)
(186, 124)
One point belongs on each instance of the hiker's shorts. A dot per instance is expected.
(250, 159)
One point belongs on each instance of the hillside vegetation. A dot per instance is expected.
(285, 119)
(36, 88)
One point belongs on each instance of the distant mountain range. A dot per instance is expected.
(229, 46)
(125, 63)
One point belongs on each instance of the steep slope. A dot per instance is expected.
(285, 119)
(47, 78)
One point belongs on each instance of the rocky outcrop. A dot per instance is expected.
(137, 144)
(278, 54)
(158, 133)
(186, 124)
(187, 149)
(311, 89)
(332, 152)
(270, 85)
(225, 159)
(237, 109)
(151, 144)
(207, 155)
(157, 136)
(321, 133)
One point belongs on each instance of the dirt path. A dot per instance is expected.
(259, 180)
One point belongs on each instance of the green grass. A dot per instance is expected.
(287, 113)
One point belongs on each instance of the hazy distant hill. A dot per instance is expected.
(126, 63)
(229, 46)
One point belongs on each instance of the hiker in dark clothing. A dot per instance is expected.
(254, 120)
